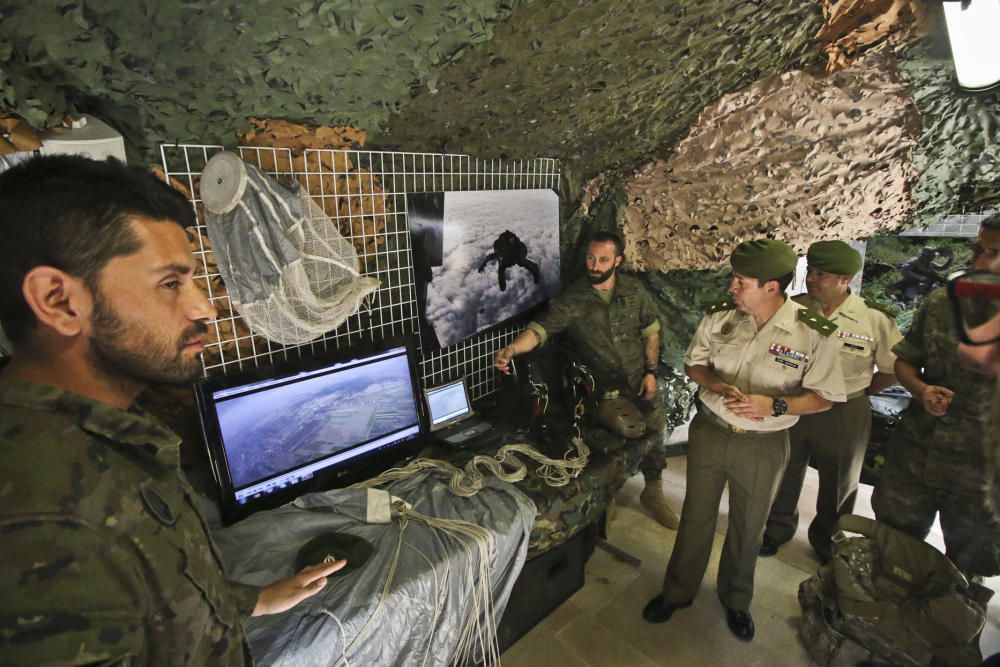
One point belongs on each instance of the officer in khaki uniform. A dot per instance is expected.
(834, 441)
(760, 360)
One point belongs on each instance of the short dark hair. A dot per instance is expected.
(608, 237)
(991, 223)
(783, 281)
(72, 213)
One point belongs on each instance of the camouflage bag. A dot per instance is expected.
(889, 597)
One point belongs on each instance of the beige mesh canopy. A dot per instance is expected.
(289, 272)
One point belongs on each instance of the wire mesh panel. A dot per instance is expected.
(364, 194)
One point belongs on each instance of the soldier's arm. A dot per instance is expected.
(69, 595)
(706, 377)
(934, 399)
(526, 341)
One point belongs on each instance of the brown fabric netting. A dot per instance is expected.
(794, 156)
(851, 26)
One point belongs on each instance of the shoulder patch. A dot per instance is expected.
(817, 322)
(719, 306)
(881, 307)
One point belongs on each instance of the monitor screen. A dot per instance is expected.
(447, 403)
(278, 432)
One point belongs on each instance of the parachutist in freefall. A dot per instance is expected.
(508, 251)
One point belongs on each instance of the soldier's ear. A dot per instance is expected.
(59, 301)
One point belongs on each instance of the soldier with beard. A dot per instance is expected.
(106, 557)
(610, 321)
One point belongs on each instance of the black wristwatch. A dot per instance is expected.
(650, 371)
(780, 407)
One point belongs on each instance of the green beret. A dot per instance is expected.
(764, 259)
(834, 257)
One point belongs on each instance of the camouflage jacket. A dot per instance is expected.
(608, 336)
(105, 557)
(931, 344)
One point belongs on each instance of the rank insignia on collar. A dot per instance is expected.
(780, 350)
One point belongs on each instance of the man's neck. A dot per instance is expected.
(74, 376)
(829, 307)
(767, 310)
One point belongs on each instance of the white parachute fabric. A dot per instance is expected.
(289, 272)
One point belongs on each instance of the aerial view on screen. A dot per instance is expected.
(273, 431)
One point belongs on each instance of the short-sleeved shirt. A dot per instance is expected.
(783, 358)
(607, 334)
(105, 554)
(865, 336)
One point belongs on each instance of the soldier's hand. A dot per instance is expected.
(936, 399)
(285, 594)
(502, 360)
(647, 388)
(729, 391)
(751, 406)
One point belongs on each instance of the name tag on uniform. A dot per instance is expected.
(786, 356)
(854, 343)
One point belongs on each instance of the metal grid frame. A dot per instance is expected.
(368, 192)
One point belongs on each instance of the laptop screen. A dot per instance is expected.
(447, 404)
(273, 438)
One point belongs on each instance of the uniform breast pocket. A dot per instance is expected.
(782, 371)
(725, 358)
(855, 357)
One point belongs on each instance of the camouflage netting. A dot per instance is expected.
(794, 156)
(194, 70)
(958, 156)
(604, 83)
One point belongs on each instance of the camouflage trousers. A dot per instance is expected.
(915, 486)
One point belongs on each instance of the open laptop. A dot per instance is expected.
(452, 419)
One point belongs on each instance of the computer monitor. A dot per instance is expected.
(275, 433)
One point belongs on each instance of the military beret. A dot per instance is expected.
(764, 259)
(834, 257)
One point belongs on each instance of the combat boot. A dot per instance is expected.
(652, 499)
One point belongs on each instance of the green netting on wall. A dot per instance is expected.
(194, 70)
(958, 154)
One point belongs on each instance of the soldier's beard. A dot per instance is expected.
(128, 355)
(598, 278)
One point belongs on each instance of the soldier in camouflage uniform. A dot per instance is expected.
(106, 558)
(611, 322)
(935, 461)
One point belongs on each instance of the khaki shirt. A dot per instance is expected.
(865, 336)
(105, 555)
(785, 357)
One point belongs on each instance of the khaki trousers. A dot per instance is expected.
(834, 443)
(751, 463)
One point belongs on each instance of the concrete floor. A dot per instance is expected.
(601, 624)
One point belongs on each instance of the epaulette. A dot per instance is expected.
(721, 305)
(817, 322)
(881, 307)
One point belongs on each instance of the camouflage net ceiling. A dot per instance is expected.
(195, 70)
(958, 157)
(793, 156)
(604, 84)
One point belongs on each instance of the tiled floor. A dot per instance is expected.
(601, 625)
